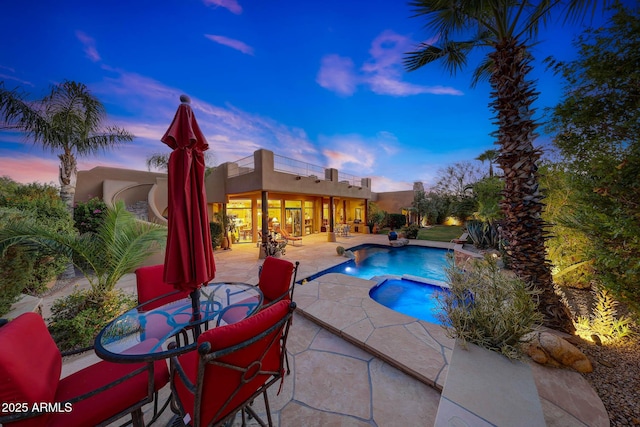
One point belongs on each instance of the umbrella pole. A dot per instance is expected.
(195, 312)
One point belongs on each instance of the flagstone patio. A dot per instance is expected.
(355, 362)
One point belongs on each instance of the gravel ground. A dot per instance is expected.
(616, 367)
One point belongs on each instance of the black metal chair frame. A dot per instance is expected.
(206, 356)
(135, 410)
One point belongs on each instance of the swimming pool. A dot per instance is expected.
(394, 267)
(372, 260)
(412, 298)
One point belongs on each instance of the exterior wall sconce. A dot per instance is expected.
(298, 177)
(317, 181)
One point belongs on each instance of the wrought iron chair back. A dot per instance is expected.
(235, 364)
(275, 279)
(95, 395)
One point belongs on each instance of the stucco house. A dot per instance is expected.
(257, 192)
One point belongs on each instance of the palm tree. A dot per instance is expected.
(491, 156)
(68, 119)
(506, 28)
(158, 161)
(120, 244)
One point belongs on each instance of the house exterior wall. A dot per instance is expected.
(394, 201)
(247, 179)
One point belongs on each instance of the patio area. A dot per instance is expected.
(355, 362)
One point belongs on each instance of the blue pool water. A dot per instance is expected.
(378, 260)
(408, 297)
(413, 298)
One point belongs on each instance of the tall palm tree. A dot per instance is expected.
(506, 29)
(69, 119)
(490, 156)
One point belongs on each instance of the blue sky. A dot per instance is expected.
(320, 82)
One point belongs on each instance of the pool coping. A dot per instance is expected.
(341, 304)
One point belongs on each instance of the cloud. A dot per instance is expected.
(89, 46)
(232, 5)
(381, 184)
(356, 153)
(337, 74)
(231, 132)
(12, 77)
(232, 43)
(27, 168)
(7, 77)
(381, 73)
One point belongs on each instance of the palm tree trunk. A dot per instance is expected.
(68, 177)
(524, 229)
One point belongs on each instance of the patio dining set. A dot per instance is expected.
(217, 361)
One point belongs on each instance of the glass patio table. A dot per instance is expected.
(146, 332)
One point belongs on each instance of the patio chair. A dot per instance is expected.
(275, 280)
(30, 368)
(234, 364)
(153, 289)
(288, 237)
(275, 283)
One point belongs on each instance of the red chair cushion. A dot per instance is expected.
(150, 284)
(105, 404)
(30, 364)
(275, 278)
(30, 372)
(220, 383)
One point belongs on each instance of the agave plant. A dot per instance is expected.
(120, 244)
(483, 234)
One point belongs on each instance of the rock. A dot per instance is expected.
(549, 349)
(399, 242)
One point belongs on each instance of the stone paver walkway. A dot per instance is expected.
(355, 362)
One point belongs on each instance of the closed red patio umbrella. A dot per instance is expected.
(189, 254)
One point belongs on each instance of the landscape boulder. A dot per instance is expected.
(549, 349)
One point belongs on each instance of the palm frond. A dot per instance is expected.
(120, 245)
(483, 71)
(426, 54)
(17, 113)
(31, 236)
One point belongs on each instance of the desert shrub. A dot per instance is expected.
(395, 220)
(604, 321)
(567, 246)
(488, 307)
(462, 208)
(488, 192)
(39, 265)
(438, 208)
(216, 234)
(15, 268)
(78, 318)
(411, 231)
(88, 216)
(375, 216)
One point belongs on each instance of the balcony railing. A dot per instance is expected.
(296, 167)
(352, 180)
(245, 165)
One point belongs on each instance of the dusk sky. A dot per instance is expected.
(322, 82)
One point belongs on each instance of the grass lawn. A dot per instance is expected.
(440, 233)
